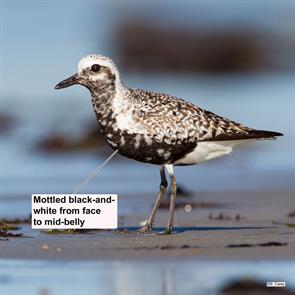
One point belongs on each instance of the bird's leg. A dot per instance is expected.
(173, 190)
(149, 223)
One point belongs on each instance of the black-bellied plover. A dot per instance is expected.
(156, 128)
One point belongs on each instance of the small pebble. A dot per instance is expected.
(45, 247)
(58, 249)
(188, 208)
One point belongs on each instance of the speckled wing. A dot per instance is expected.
(172, 120)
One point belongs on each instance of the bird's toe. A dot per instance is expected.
(146, 228)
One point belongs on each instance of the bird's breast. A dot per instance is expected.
(144, 148)
(133, 139)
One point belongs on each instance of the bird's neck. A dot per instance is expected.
(107, 97)
(102, 94)
(100, 90)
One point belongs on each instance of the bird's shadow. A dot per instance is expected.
(182, 229)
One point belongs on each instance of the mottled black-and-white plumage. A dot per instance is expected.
(154, 127)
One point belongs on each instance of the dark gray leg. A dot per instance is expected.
(149, 223)
(173, 189)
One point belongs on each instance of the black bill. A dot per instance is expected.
(68, 82)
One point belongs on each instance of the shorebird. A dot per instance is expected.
(156, 128)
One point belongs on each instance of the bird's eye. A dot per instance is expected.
(95, 68)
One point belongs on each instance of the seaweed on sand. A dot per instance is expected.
(6, 234)
(66, 231)
(7, 225)
(250, 286)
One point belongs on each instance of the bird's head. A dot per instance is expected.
(93, 70)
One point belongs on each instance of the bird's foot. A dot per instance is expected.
(145, 229)
(168, 231)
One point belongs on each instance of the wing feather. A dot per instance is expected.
(172, 119)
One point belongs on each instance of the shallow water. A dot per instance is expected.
(134, 278)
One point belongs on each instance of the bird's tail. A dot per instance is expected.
(264, 134)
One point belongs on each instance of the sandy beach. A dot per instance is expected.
(218, 226)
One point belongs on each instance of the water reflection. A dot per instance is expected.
(185, 277)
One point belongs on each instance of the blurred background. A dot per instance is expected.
(234, 58)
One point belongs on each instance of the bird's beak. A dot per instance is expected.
(68, 82)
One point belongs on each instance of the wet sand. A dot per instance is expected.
(234, 226)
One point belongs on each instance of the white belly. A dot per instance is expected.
(208, 150)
